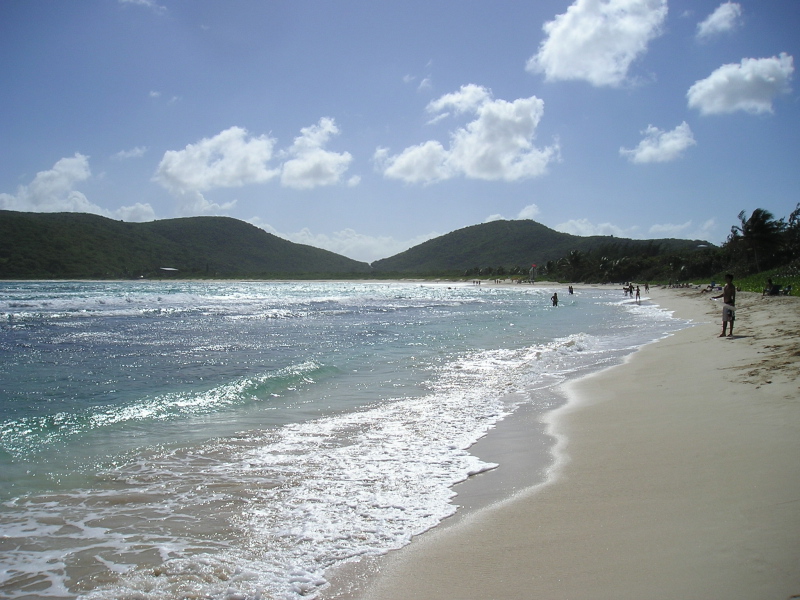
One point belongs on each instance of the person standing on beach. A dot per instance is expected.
(554, 298)
(728, 296)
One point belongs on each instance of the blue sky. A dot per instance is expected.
(368, 127)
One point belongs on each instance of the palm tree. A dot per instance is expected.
(759, 233)
(793, 234)
(573, 261)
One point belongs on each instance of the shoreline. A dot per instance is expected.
(675, 474)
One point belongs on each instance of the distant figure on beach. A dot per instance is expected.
(646, 288)
(571, 291)
(638, 296)
(771, 289)
(555, 299)
(728, 296)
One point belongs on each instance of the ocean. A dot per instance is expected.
(235, 440)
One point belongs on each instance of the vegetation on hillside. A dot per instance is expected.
(509, 248)
(82, 246)
(85, 246)
(758, 247)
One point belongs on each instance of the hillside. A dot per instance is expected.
(515, 243)
(76, 245)
(85, 246)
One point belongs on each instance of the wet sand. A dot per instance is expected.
(675, 475)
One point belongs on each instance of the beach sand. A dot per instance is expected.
(676, 475)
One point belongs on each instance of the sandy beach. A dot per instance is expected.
(675, 475)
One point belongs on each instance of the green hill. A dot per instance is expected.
(516, 243)
(85, 246)
(76, 245)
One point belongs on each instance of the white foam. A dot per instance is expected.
(265, 513)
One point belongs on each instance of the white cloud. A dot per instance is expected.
(750, 86)
(233, 158)
(496, 145)
(598, 40)
(54, 191)
(136, 152)
(584, 227)
(350, 243)
(191, 203)
(529, 212)
(138, 213)
(312, 166)
(424, 85)
(706, 230)
(151, 4)
(438, 118)
(685, 230)
(467, 99)
(425, 163)
(229, 159)
(669, 229)
(661, 146)
(725, 18)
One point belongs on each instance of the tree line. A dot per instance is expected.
(757, 242)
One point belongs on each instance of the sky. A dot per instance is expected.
(368, 127)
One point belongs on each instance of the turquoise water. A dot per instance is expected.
(235, 440)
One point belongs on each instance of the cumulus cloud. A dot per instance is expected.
(136, 152)
(688, 230)
(467, 99)
(584, 227)
(54, 191)
(598, 40)
(529, 212)
(138, 212)
(496, 145)
(229, 159)
(151, 4)
(685, 230)
(424, 163)
(661, 146)
(348, 242)
(234, 158)
(670, 229)
(750, 86)
(725, 18)
(311, 165)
